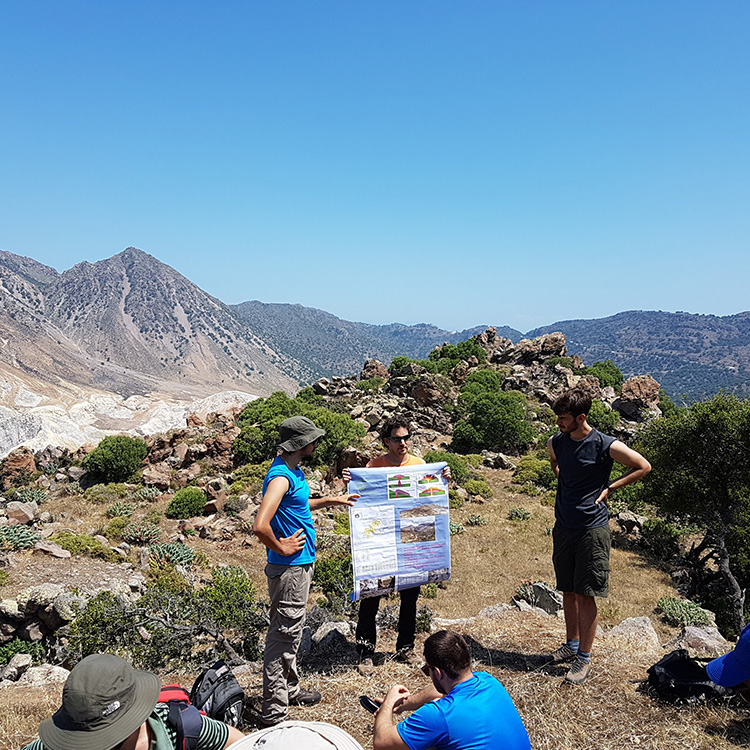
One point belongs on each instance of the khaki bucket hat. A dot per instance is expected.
(297, 432)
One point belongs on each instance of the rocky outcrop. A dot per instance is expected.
(18, 466)
(639, 399)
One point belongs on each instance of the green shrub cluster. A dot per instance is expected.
(424, 620)
(661, 538)
(120, 509)
(259, 424)
(333, 573)
(491, 418)
(115, 528)
(31, 495)
(455, 501)
(248, 479)
(116, 458)
(234, 505)
(429, 591)
(601, 417)
(533, 470)
(141, 533)
(564, 361)
(370, 384)
(455, 528)
(682, 612)
(608, 373)
(17, 537)
(186, 503)
(84, 544)
(147, 493)
(476, 520)
(106, 493)
(18, 646)
(459, 466)
(519, 514)
(173, 553)
(186, 627)
(478, 487)
(342, 526)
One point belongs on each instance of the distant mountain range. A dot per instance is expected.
(131, 324)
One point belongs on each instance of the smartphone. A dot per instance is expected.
(368, 703)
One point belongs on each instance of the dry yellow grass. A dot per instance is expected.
(489, 562)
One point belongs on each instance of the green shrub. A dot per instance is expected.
(608, 373)
(164, 576)
(424, 620)
(342, 524)
(4, 577)
(234, 505)
(601, 417)
(478, 487)
(476, 520)
(370, 384)
(154, 516)
(120, 509)
(333, 573)
(83, 544)
(147, 493)
(429, 591)
(455, 528)
(475, 460)
(106, 493)
(533, 470)
(116, 458)
(682, 612)
(459, 467)
(397, 363)
(141, 533)
(187, 503)
(483, 381)
(493, 420)
(455, 501)
(17, 537)
(259, 424)
(249, 478)
(174, 554)
(564, 361)
(17, 646)
(115, 528)
(30, 495)
(519, 514)
(661, 538)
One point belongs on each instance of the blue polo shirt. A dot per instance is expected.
(477, 714)
(292, 514)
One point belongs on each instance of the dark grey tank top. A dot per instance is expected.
(585, 466)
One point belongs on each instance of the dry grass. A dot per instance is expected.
(489, 562)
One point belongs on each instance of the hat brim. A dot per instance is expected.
(62, 733)
(296, 443)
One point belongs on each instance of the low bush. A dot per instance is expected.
(476, 520)
(456, 528)
(601, 417)
(141, 533)
(17, 537)
(608, 373)
(341, 521)
(18, 646)
(248, 479)
(370, 384)
(30, 495)
(661, 538)
(455, 501)
(120, 509)
(536, 471)
(682, 612)
(116, 458)
(186, 503)
(234, 505)
(83, 544)
(115, 528)
(478, 487)
(424, 620)
(147, 493)
(106, 493)
(333, 573)
(519, 514)
(173, 553)
(429, 591)
(459, 467)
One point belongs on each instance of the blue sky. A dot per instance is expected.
(459, 163)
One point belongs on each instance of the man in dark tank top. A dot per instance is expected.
(582, 459)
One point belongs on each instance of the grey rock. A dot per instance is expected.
(441, 623)
(33, 631)
(547, 598)
(16, 667)
(9, 610)
(305, 646)
(630, 522)
(67, 606)
(38, 597)
(44, 674)
(51, 549)
(495, 611)
(21, 513)
(76, 473)
(705, 642)
(331, 636)
(636, 630)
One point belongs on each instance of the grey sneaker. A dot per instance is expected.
(564, 653)
(366, 666)
(579, 671)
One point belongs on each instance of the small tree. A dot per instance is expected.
(701, 475)
(116, 458)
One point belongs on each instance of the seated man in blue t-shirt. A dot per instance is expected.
(461, 710)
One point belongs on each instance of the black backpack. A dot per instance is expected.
(217, 693)
(678, 678)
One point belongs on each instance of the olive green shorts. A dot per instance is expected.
(581, 560)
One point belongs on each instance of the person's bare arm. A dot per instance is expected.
(637, 465)
(328, 502)
(234, 736)
(552, 458)
(413, 701)
(286, 546)
(386, 736)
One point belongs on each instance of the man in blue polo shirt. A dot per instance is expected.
(284, 524)
(461, 710)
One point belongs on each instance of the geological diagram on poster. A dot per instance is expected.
(400, 528)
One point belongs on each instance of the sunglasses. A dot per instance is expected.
(399, 438)
(426, 669)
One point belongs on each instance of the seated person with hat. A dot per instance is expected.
(107, 704)
(733, 669)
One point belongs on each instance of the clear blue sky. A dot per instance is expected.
(460, 163)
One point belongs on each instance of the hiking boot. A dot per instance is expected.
(306, 698)
(562, 654)
(366, 666)
(579, 671)
(407, 656)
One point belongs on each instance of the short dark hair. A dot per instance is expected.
(574, 401)
(447, 651)
(393, 423)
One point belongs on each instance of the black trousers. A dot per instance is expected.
(407, 622)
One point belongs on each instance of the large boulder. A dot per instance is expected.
(373, 368)
(18, 465)
(636, 631)
(703, 642)
(639, 398)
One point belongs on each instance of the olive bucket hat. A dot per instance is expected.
(104, 701)
(297, 432)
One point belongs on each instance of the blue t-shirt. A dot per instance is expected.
(585, 466)
(292, 514)
(476, 715)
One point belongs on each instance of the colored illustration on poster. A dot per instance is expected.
(400, 530)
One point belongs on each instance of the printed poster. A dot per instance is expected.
(400, 528)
